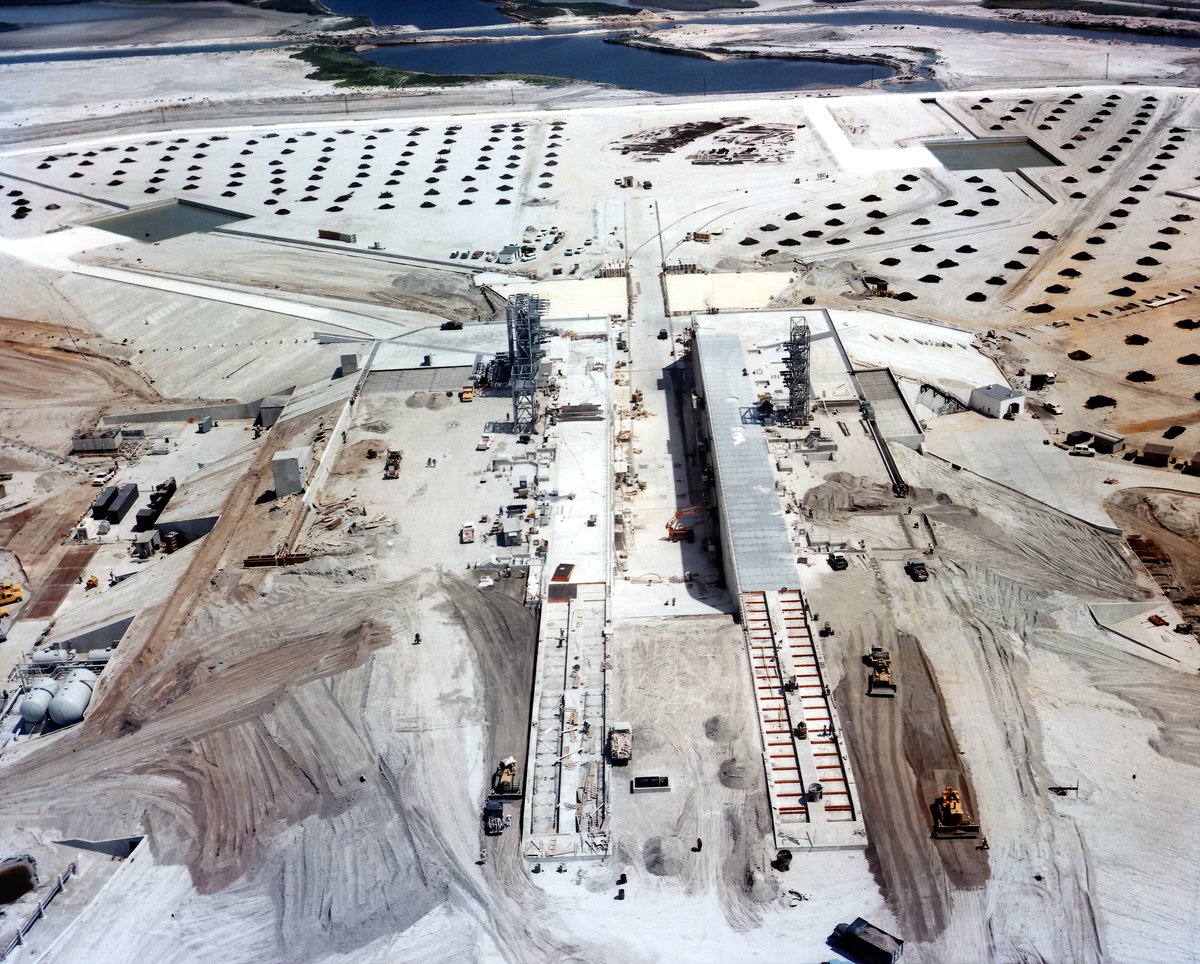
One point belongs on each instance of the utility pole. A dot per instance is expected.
(1106, 56)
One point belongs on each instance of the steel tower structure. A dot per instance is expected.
(525, 350)
(795, 374)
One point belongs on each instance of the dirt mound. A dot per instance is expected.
(1079, 355)
(734, 774)
(1100, 401)
(1140, 376)
(1136, 340)
(663, 856)
(431, 400)
(1190, 359)
(720, 728)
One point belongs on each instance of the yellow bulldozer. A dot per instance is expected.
(950, 818)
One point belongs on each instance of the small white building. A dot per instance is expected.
(290, 468)
(997, 401)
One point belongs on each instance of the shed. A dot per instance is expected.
(513, 533)
(145, 544)
(1078, 437)
(1156, 454)
(997, 401)
(863, 941)
(1108, 443)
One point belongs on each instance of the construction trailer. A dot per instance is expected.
(103, 501)
(119, 507)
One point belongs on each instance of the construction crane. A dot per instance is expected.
(681, 526)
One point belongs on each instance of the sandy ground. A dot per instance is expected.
(310, 778)
(119, 24)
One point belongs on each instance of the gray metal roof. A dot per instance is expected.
(1000, 392)
(761, 554)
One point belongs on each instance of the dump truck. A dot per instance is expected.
(838, 562)
(950, 817)
(880, 682)
(466, 535)
(504, 780)
(916, 570)
(391, 468)
(10, 592)
(620, 743)
(493, 818)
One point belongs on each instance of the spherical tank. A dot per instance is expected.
(72, 699)
(33, 707)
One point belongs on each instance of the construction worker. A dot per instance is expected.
(483, 856)
(417, 639)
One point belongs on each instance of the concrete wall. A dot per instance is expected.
(290, 469)
(231, 410)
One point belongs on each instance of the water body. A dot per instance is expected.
(168, 220)
(994, 154)
(590, 59)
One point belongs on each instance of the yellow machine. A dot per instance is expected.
(467, 394)
(92, 582)
(880, 682)
(10, 592)
(950, 817)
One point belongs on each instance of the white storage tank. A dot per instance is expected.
(35, 704)
(73, 698)
(52, 657)
(99, 655)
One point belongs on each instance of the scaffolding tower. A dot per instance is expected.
(525, 351)
(795, 374)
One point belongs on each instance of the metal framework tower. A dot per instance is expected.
(525, 349)
(795, 375)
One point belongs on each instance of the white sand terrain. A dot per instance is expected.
(304, 748)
